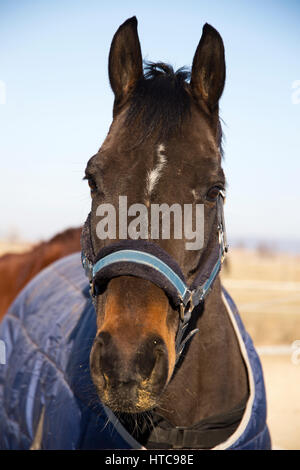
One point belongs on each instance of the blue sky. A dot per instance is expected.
(58, 105)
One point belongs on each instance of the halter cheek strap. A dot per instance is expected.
(149, 261)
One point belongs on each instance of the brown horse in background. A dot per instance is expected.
(17, 269)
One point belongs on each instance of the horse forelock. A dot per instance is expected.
(160, 102)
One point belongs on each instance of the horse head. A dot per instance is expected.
(163, 148)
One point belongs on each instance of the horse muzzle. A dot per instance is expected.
(129, 378)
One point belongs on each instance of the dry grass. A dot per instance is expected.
(259, 265)
(14, 247)
(266, 289)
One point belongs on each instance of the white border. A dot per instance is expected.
(248, 411)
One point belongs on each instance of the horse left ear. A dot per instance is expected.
(208, 70)
(125, 60)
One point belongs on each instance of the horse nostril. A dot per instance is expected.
(159, 349)
(103, 355)
(103, 340)
(152, 361)
(160, 369)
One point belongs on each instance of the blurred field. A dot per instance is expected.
(266, 289)
(14, 247)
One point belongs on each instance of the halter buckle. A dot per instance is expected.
(186, 308)
(92, 288)
(222, 243)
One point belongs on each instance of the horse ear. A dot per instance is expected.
(125, 59)
(208, 70)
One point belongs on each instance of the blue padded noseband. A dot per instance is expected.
(149, 260)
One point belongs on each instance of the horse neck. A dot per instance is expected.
(211, 378)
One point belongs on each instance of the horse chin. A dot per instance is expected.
(130, 398)
(140, 405)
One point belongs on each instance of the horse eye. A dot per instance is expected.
(213, 193)
(92, 185)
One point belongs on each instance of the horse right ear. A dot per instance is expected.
(125, 60)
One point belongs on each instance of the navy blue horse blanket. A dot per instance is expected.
(47, 398)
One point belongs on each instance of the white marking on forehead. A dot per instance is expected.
(154, 175)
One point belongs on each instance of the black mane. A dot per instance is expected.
(160, 102)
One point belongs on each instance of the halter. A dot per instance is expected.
(149, 261)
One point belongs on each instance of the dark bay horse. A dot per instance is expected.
(164, 146)
(167, 359)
